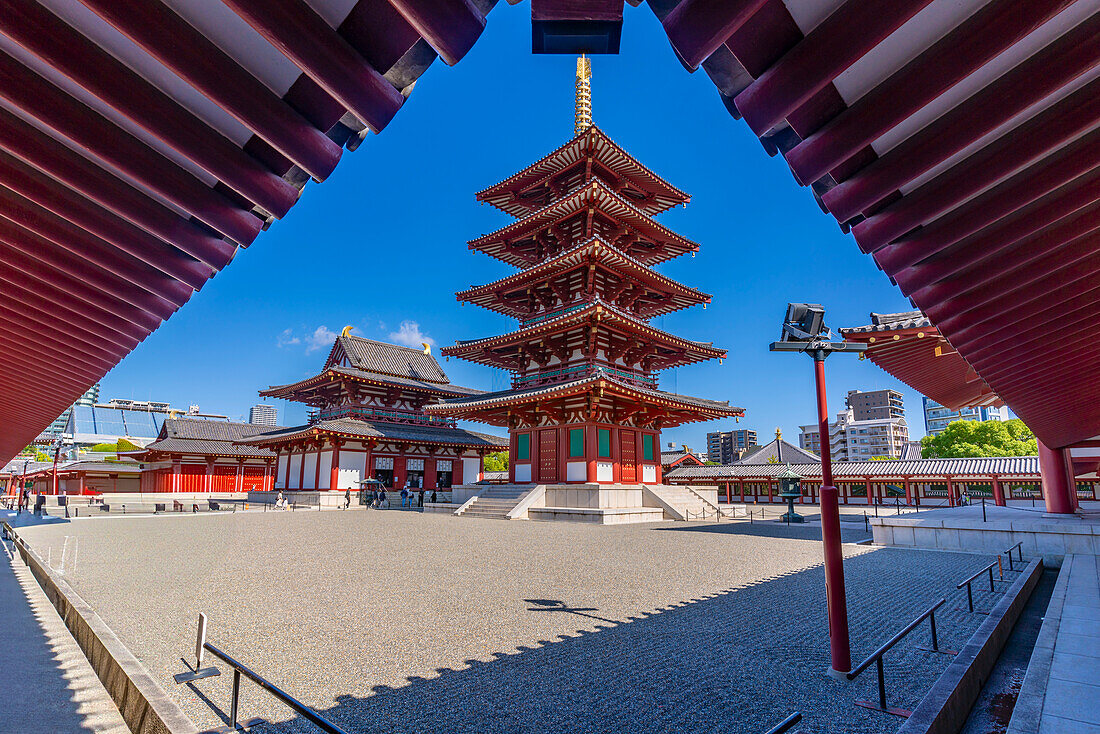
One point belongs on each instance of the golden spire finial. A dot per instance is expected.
(583, 117)
(778, 433)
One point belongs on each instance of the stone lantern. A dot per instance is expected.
(790, 489)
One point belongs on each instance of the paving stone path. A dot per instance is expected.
(401, 622)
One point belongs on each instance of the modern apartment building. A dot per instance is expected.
(90, 397)
(936, 417)
(726, 447)
(858, 440)
(875, 404)
(263, 415)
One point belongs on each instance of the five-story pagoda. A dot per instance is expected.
(584, 404)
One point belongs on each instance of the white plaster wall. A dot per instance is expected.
(605, 471)
(649, 473)
(523, 473)
(576, 471)
(325, 477)
(470, 470)
(293, 471)
(309, 475)
(353, 467)
(281, 480)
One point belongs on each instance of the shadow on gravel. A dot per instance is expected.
(850, 532)
(736, 661)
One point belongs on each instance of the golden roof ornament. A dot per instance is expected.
(778, 433)
(582, 119)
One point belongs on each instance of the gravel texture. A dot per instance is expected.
(402, 622)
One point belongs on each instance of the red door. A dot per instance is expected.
(548, 455)
(628, 457)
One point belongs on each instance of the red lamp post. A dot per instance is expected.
(804, 331)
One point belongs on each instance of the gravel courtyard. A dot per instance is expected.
(402, 622)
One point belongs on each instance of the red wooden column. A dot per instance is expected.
(950, 492)
(208, 477)
(741, 482)
(334, 469)
(590, 449)
(1058, 480)
(870, 490)
(269, 476)
(369, 466)
(769, 491)
(998, 492)
(908, 492)
(238, 485)
(177, 470)
(511, 457)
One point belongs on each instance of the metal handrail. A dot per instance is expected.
(967, 582)
(785, 724)
(1019, 548)
(876, 656)
(239, 669)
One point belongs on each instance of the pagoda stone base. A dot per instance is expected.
(602, 504)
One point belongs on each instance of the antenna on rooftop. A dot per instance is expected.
(583, 118)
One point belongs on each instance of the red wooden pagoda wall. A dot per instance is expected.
(553, 457)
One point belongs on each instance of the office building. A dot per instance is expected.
(858, 440)
(90, 397)
(726, 447)
(875, 404)
(263, 415)
(936, 417)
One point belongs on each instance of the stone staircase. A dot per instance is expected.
(684, 503)
(496, 502)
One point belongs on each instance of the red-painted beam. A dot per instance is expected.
(73, 239)
(1034, 79)
(1009, 275)
(696, 28)
(1043, 139)
(989, 249)
(835, 44)
(1046, 135)
(167, 37)
(86, 324)
(1075, 322)
(965, 49)
(66, 115)
(1012, 202)
(74, 171)
(71, 53)
(73, 373)
(101, 352)
(23, 241)
(33, 185)
(1049, 305)
(305, 38)
(46, 349)
(72, 292)
(1053, 367)
(451, 27)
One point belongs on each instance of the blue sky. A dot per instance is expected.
(382, 243)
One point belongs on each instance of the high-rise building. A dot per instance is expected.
(936, 417)
(726, 447)
(263, 415)
(858, 440)
(875, 404)
(90, 397)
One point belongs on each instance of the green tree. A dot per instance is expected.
(497, 461)
(42, 456)
(104, 448)
(980, 438)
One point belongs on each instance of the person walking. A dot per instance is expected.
(420, 499)
(404, 496)
(347, 498)
(382, 498)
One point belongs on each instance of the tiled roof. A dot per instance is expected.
(384, 431)
(668, 458)
(778, 451)
(935, 469)
(387, 359)
(190, 428)
(891, 322)
(208, 448)
(505, 395)
(911, 451)
(443, 388)
(94, 466)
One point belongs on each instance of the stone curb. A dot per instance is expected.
(945, 708)
(1028, 711)
(144, 705)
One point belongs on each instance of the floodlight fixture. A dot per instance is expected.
(804, 330)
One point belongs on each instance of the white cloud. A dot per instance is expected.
(287, 338)
(410, 335)
(321, 338)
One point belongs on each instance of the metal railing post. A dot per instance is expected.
(991, 577)
(236, 698)
(881, 684)
(969, 597)
(935, 639)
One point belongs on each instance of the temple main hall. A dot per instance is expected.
(584, 405)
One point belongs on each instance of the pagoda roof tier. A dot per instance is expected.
(602, 392)
(590, 327)
(523, 294)
(310, 390)
(538, 183)
(548, 231)
(364, 430)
